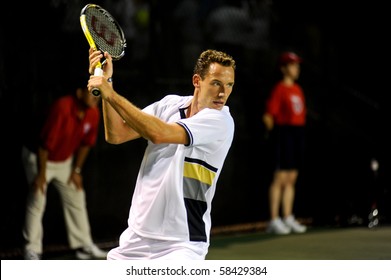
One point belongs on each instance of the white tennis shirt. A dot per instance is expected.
(176, 183)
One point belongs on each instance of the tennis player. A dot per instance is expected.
(188, 140)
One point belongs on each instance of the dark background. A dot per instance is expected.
(345, 73)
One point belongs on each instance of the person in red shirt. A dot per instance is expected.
(285, 119)
(56, 157)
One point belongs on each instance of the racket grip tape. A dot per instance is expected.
(97, 72)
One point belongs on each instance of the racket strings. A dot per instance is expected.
(105, 33)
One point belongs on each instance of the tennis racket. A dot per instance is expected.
(103, 33)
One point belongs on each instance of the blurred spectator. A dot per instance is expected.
(285, 118)
(55, 156)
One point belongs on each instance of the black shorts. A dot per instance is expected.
(288, 147)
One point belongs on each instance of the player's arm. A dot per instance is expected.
(146, 125)
(116, 129)
(123, 121)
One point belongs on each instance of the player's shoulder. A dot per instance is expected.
(174, 99)
(223, 115)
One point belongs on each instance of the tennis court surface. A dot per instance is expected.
(350, 243)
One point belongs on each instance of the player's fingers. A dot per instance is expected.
(108, 57)
(95, 56)
(94, 61)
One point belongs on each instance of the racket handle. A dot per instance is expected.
(97, 72)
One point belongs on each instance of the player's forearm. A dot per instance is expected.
(116, 129)
(146, 125)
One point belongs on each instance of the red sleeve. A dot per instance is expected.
(274, 101)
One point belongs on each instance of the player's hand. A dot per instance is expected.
(95, 57)
(108, 65)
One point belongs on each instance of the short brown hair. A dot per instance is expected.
(208, 57)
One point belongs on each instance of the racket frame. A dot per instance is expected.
(83, 22)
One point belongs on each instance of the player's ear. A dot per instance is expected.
(196, 80)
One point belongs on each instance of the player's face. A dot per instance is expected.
(216, 87)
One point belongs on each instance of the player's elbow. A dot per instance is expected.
(168, 136)
(113, 139)
(161, 135)
(167, 133)
(156, 138)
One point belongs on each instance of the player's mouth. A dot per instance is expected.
(218, 103)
